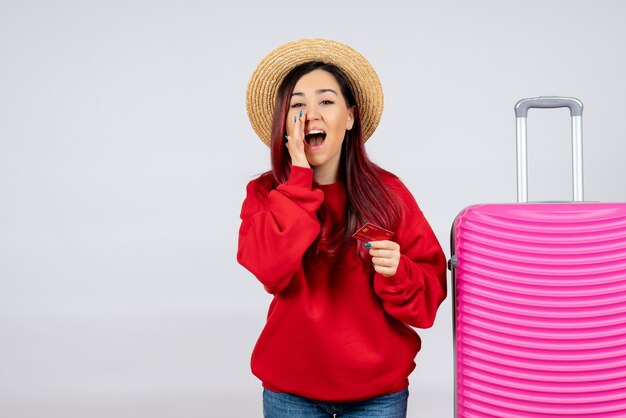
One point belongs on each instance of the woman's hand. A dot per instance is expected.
(295, 142)
(385, 257)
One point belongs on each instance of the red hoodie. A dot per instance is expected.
(336, 332)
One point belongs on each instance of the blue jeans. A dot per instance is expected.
(284, 405)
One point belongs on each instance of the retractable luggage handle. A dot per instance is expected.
(549, 102)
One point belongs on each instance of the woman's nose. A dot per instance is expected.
(312, 113)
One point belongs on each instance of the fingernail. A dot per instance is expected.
(367, 245)
(286, 138)
(301, 114)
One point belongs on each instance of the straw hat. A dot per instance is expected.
(269, 74)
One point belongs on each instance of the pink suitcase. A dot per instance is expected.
(540, 300)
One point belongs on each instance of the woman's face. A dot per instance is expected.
(326, 118)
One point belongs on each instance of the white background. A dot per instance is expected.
(125, 150)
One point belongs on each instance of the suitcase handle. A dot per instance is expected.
(549, 102)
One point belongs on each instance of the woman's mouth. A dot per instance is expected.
(315, 138)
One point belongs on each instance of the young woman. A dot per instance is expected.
(339, 339)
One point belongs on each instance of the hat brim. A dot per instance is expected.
(269, 74)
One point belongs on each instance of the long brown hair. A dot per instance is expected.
(368, 198)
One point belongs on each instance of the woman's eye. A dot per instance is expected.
(327, 102)
(297, 105)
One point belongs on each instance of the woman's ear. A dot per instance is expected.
(350, 120)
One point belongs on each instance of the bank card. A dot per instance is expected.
(371, 232)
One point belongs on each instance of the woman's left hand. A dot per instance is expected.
(385, 257)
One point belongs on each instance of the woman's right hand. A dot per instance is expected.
(295, 142)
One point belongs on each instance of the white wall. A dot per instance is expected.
(125, 149)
